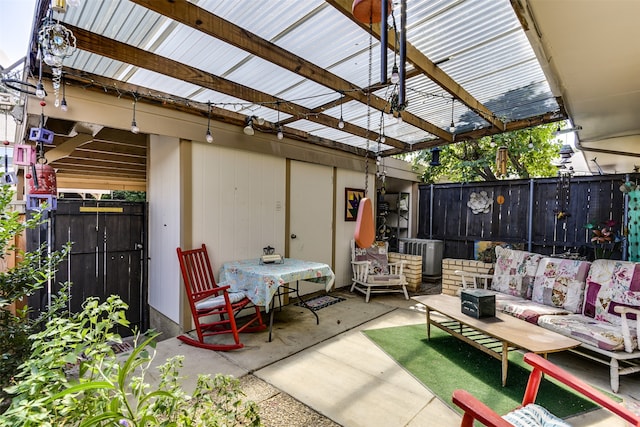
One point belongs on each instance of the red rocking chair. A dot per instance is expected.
(529, 413)
(213, 308)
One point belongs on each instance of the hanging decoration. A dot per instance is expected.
(55, 43)
(501, 161)
(9, 178)
(365, 232)
(563, 195)
(368, 11)
(435, 156)
(479, 202)
(41, 179)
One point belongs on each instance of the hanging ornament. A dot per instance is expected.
(56, 43)
(501, 161)
(368, 11)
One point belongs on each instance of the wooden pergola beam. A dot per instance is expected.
(428, 67)
(200, 19)
(100, 45)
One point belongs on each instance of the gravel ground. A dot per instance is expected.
(278, 409)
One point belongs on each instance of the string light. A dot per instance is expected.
(248, 129)
(63, 104)
(280, 134)
(168, 99)
(134, 125)
(452, 127)
(341, 121)
(208, 135)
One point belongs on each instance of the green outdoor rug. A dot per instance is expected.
(446, 363)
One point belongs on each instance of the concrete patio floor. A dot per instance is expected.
(332, 375)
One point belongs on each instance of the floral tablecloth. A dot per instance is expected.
(260, 282)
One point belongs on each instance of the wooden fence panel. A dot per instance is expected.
(528, 216)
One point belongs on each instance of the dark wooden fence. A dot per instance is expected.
(527, 216)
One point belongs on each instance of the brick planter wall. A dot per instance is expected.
(451, 283)
(412, 269)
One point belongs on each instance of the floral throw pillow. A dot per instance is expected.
(611, 283)
(514, 272)
(377, 254)
(561, 283)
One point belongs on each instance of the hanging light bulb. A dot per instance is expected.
(452, 126)
(63, 103)
(395, 74)
(208, 136)
(134, 125)
(341, 121)
(280, 134)
(248, 129)
(40, 92)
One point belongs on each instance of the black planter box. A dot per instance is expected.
(478, 303)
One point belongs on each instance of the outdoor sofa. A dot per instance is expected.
(596, 303)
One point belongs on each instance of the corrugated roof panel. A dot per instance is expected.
(326, 39)
(266, 20)
(460, 27)
(307, 94)
(481, 42)
(268, 77)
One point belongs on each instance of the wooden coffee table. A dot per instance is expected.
(495, 336)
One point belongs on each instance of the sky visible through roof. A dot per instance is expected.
(17, 17)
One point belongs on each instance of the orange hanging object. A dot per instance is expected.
(366, 11)
(365, 233)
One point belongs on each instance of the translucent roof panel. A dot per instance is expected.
(467, 60)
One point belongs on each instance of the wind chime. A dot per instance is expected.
(563, 195)
(9, 178)
(502, 156)
(370, 11)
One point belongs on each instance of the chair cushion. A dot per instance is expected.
(611, 283)
(598, 334)
(561, 283)
(218, 301)
(514, 272)
(534, 415)
(525, 309)
(376, 254)
(382, 279)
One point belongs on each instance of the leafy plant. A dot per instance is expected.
(530, 154)
(605, 238)
(31, 271)
(75, 378)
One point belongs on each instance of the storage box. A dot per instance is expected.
(478, 303)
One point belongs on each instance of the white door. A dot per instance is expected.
(311, 210)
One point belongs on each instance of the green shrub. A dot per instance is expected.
(75, 378)
(31, 272)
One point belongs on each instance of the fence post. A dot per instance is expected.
(530, 218)
(431, 213)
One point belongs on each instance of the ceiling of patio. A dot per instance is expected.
(304, 64)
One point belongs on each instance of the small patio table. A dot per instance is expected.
(261, 282)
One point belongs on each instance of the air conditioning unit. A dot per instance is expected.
(430, 250)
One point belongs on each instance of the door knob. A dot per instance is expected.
(293, 236)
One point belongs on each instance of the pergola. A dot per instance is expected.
(313, 72)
